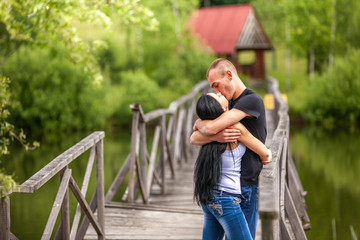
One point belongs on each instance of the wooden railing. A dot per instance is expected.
(170, 146)
(61, 165)
(282, 206)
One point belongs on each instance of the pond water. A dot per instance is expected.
(29, 212)
(328, 164)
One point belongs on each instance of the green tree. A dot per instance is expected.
(332, 98)
(209, 3)
(38, 23)
(316, 29)
(168, 56)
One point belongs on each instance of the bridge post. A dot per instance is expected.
(134, 131)
(65, 212)
(100, 186)
(4, 219)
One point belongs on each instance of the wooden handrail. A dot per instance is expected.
(280, 218)
(169, 146)
(60, 165)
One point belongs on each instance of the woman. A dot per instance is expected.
(217, 175)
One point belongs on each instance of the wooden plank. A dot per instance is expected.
(85, 222)
(179, 127)
(118, 179)
(142, 173)
(141, 183)
(292, 215)
(165, 147)
(13, 237)
(297, 191)
(152, 160)
(56, 165)
(170, 127)
(151, 207)
(189, 127)
(57, 204)
(4, 219)
(162, 153)
(134, 143)
(65, 213)
(84, 188)
(99, 149)
(84, 205)
(170, 159)
(157, 114)
(134, 224)
(284, 230)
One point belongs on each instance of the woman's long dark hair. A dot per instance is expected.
(208, 164)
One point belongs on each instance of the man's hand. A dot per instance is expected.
(227, 135)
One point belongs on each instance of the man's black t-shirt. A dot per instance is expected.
(251, 103)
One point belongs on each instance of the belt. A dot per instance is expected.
(227, 193)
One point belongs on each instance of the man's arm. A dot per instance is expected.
(227, 119)
(226, 135)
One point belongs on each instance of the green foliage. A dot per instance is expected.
(332, 96)
(168, 59)
(7, 183)
(183, 70)
(136, 87)
(48, 95)
(37, 22)
(347, 20)
(208, 3)
(52, 94)
(329, 26)
(5, 127)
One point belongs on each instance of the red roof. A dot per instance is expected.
(220, 27)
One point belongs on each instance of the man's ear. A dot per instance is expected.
(229, 74)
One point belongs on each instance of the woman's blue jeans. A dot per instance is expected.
(222, 214)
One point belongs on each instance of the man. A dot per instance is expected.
(248, 108)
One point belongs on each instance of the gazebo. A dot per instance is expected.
(230, 29)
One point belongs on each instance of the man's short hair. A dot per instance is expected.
(221, 64)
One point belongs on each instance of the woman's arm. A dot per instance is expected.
(254, 144)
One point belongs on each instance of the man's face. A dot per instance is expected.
(223, 85)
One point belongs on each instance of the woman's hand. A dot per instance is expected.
(229, 134)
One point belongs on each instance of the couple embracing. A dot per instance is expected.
(232, 132)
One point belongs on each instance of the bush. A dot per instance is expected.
(136, 87)
(182, 69)
(332, 97)
(50, 93)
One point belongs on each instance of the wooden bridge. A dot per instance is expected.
(155, 182)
